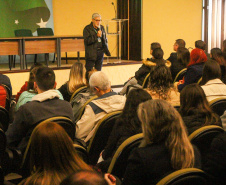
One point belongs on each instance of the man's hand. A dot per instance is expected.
(99, 33)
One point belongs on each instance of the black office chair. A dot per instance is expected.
(24, 33)
(46, 32)
(185, 176)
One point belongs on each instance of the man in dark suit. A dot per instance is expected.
(95, 44)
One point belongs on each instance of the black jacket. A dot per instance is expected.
(215, 164)
(146, 68)
(147, 165)
(31, 113)
(90, 41)
(195, 120)
(176, 66)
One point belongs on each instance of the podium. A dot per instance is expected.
(114, 27)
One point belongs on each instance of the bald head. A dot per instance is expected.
(84, 178)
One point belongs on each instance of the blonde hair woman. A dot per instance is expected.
(53, 155)
(76, 80)
(165, 147)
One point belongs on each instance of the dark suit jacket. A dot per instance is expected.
(91, 40)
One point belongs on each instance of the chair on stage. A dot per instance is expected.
(120, 159)
(101, 135)
(23, 33)
(48, 32)
(185, 176)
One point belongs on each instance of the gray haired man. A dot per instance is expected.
(96, 45)
(106, 102)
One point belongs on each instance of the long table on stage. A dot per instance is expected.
(36, 45)
(10, 47)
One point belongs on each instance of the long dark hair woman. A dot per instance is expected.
(127, 125)
(52, 155)
(211, 83)
(165, 148)
(195, 109)
(217, 55)
(160, 85)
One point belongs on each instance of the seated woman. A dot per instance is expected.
(213, 86)
(160, 85)
(194, 68)
(126, 125)
(165, 148)
(183, 58)
(217, 55)
(195, 110)
(53, 155)
(25, 86)
(27, 96)
(76, 80)
(140, 75)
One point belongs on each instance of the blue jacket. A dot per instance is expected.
(193, 74)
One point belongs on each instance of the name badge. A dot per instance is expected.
(99, 39)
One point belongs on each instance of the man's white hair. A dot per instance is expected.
(96, 15)
(99, 79)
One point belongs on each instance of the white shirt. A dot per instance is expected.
(214, 89)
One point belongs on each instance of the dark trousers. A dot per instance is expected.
(97, 64)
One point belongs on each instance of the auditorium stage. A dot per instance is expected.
(118, 72)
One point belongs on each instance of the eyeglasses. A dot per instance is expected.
(97, 20)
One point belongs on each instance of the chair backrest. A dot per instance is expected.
(180, 75)
(4, 119)
(79, 90)
(101, 135)
(82, 152)
(185, 176)
(145, 82)
(81, 111)
(199, 81)
(65, 122)
(45, 32)
(203, 137)
(119, 161)
(23, 33)
(218, 105)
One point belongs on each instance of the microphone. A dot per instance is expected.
(115, 11)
